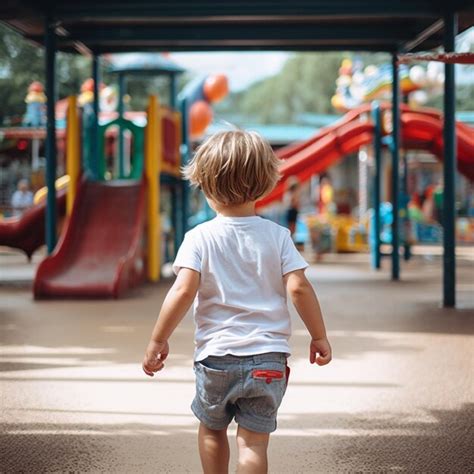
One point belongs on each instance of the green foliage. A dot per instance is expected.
(464, 98)
(305, 84)
(21, 63)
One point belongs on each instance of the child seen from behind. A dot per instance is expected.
(237, 269)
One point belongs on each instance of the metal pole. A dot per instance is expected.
(176, 217)
(406, 220)
(173, 91)
(449, 200)
(376, 116)
(95, 127)
(395, 161)
(51, 211)
(185, 156)
(121, 109)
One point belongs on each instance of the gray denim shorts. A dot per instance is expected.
(249, 388)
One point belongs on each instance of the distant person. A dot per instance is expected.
(326, 195)
(414, 208)
(292, 202)
(240, 266)
(428, 207)
(22, 198)
(438, 198)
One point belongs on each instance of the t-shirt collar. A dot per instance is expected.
(237, 220)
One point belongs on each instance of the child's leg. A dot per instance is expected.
(214, 450)
(252, 451)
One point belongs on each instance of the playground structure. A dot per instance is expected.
(420, 130)
(101, 251)
(391, 28)
(357, 85)
(26, 233)
(120, 164)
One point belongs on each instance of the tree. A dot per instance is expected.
(21, 63)
(305, 84)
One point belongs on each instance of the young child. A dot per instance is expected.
(237, 268)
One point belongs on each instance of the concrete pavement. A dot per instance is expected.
(398, 395)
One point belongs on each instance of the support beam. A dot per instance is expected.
(449, 164)
(225, 11)
(404, 204)
(384, 32)
(121, 110)
(376, 117)
(95, 127)
(395, 162)
(51, 211)
(200, 46)
(185, 157)
(434, 28)
(173, 91)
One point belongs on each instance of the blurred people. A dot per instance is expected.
(292, 203)
(438, 197)
(326, 195)
(22, 198)
(414, 208)
(428, 206)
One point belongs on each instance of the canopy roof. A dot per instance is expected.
(110, 26)
(141, 63)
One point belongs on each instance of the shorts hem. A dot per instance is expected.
(259, 427)
(209, 422)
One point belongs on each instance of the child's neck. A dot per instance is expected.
(241, 210)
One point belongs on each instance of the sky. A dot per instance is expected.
(242, 69)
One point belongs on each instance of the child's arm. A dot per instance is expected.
(176, 304)
(306, 303)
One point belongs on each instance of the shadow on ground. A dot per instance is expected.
(368, 442)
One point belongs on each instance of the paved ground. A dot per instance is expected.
(398, 395)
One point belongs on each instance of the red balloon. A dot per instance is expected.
(35, 86)
(216, 87)
(200, 116)
(87, 85)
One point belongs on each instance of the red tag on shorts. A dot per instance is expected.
(268, 375)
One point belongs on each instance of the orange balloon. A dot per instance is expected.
(200, 116)
(216, 87)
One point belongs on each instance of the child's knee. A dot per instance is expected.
(206, 431)
(251, 439)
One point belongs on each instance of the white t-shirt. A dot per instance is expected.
(241, 306)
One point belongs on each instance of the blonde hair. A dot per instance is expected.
(234, 167)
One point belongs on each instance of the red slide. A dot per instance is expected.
(421, 129)
(100, 254)
(425, 132)
(27, 232)
(354, 115)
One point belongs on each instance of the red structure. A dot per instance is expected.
(100, 253)
(420, 129)
(27, 231)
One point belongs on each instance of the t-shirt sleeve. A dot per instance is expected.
(189, 255)
(291, 259)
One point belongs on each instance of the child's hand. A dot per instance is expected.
(321, 347)
(155, 354)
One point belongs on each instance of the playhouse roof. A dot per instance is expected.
(142, 63)
(313, 25)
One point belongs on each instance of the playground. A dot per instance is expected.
(93, 209)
